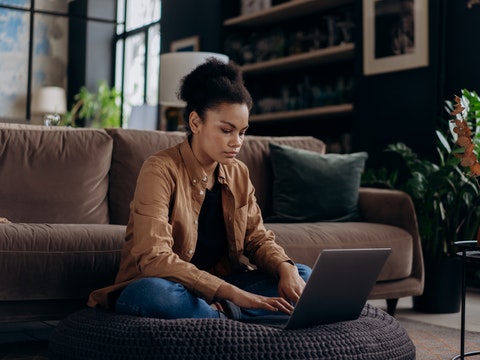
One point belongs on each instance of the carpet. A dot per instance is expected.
(437, 342)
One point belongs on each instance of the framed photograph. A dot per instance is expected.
(395, 35)
(187, 44)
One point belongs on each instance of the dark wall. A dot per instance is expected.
(185, 18)
(400, 106)
(462, 65)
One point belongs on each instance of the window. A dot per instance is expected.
(34, 52)
(137, 58)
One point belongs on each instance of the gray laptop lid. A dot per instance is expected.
(339, 286)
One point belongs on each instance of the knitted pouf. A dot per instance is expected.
(97, 334)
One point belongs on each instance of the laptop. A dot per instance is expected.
(337, 289)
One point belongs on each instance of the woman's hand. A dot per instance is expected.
(290, 284)
(248, 300)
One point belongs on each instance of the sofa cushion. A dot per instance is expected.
(54, 174)
(59, 261)
(303, 242)
(309, 186)
(131, 148)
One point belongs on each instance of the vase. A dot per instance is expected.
(443, 286)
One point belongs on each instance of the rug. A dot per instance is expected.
(437, 342)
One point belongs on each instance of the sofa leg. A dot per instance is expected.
(392, 306)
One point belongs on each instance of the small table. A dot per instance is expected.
(470, 251)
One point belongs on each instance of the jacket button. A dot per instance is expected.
(201, 192)
(190, 252)
(194, 181)
(204, 179)
(196, 222)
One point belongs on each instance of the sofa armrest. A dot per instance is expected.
(385, 206)
(393, 207)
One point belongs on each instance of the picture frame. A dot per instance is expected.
(191, 43)
(395, 35)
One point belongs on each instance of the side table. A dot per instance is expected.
(470, 251)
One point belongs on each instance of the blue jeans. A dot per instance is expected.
(165, 299)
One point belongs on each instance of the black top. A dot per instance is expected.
(212, 236)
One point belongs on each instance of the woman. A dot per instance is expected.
(194, 219)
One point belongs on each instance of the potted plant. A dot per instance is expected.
(100, 109)
(446, 200)
(465, 128)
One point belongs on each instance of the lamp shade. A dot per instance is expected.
(49, 99)
(174, 66)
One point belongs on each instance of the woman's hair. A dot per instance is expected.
(210, 85)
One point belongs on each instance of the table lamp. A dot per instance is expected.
(50, 101)
(173, 67)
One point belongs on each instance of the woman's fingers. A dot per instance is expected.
(277, 304)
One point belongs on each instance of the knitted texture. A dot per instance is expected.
(97, 334)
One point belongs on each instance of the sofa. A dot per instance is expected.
(64, 205)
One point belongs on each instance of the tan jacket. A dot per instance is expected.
(161, 233)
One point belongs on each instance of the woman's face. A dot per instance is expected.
(218, 137)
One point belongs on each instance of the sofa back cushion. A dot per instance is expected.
(54, 174)
(132, 147)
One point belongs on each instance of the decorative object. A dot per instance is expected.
(173, 67)
(465, 131)
(100, 109)
(191, 43)
(395, 35)
(50, 102)
(309, 186)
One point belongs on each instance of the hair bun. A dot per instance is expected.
(212, 83)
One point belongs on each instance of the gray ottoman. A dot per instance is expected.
(97, 334)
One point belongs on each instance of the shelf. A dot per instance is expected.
(330, 110)
(284, 11)
(330, 54)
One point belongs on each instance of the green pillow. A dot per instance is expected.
(309, 186)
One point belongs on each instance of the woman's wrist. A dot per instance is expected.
(285, 268)
(225, 291)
